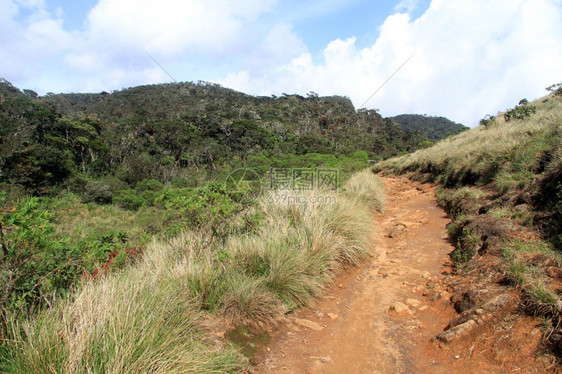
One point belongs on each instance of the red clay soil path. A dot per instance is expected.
(381, 317)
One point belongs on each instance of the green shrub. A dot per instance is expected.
(33, 266)
(487, 120)
(426, 143)
(556, 88)
(97, 192)
(520, 112)
(149, 185)
(144, 194)
(129, 199)
(207, 208)
(312, 144)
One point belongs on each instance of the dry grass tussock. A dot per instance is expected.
(148, 317)
(139, 320)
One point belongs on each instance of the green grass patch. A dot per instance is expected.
(540, 300)
(518, 272)
(534, 246)
(520, 214)
(467, 246)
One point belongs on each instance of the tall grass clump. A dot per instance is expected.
(284, 262)
(139, 320)
(540, 300)
(367, 189)
(303, 241)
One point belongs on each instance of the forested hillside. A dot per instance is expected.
(293, 123)
(183, 130)
(431, 127)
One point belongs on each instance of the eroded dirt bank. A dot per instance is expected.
(383, 317)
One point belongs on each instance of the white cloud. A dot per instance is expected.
(280, 45)
(170, 27)
(407, 5)
(30, 39)
(37, 4)
(111, 52)
(471, 58)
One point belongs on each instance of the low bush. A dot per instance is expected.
(33, 266)
(487, 120)
(556, 89)
(97, 192)
(207, 208)
(520, 112)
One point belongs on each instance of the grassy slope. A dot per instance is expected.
(519, 157)
(157, 315)
(484, 153)
(502, 185)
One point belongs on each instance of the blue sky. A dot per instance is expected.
(74, 12)
(470, 57)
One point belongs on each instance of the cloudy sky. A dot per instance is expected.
(461, 59)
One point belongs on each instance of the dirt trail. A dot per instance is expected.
(381, 317)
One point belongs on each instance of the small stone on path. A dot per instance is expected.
(413, 303)
(398, 230)
(401, 309)
(309, 324)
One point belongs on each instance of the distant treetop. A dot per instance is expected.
(434, 128)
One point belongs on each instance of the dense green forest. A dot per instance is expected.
(431, 127)
(179, 131)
